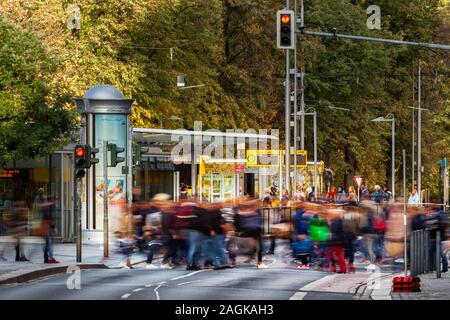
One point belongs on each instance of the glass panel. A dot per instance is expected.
(206, 186)
(228, 187)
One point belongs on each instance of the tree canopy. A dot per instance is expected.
(229, 46)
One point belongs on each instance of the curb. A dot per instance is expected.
(40, 273)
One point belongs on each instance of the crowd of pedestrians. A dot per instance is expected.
(323, 233)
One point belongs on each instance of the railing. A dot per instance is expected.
(421, 258)
(275, 216)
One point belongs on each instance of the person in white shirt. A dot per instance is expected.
(414, 198)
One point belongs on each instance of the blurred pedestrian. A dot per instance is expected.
(47, 210)
(248, 221)
(413, 198)
(352, 198)
(17, 226)
(302, 246)
(331, 195)
(336, 242)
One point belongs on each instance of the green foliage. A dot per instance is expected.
(29, 126)
(229, 46)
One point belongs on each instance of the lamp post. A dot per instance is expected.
(392, 120)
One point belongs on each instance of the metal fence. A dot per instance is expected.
(276, 215)
(425, 255)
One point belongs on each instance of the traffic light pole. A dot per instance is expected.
(287, 118)
(295, 105)
(105, 201)
(77, 197)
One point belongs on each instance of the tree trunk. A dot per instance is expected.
(352, 165)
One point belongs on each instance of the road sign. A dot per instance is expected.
(262, 158)
(301, 158)
(358, 180)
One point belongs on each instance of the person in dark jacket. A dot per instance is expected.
(214, 243)
(47, 210)
(337, 242)
(248, 222)
(301, 227)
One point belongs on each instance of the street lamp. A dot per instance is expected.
(391, 119)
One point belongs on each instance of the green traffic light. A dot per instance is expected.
(115, 150)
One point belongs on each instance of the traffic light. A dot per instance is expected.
(138, 154)
(285, 29)
(115, 150)
(90, 156)
(80, 160)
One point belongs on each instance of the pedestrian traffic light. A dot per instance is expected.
(90, 156)
(285, 29)
(80, 160)
(115, 150)
(138, 154)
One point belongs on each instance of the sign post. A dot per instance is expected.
(105, 201)
(358, 180)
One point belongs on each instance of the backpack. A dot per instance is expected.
(251, 222)
(350, 227)
(184, 218)
(379, 225)
(318, 230)
(153, 223)
(302, 246)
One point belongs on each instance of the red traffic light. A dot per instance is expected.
(80, 152)
(285, 19)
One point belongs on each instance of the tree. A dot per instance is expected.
(32, 123)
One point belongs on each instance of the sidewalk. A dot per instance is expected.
(92, 257)
(431, 288)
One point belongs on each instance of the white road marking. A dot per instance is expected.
(156, 291)
(137, 290)
(160, 283)
(189, 274)
(126, 295)
(304, 290)
(148, 285)
(180, 284)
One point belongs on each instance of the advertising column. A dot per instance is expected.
(111, 128)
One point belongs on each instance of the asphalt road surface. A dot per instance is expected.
(241, 283)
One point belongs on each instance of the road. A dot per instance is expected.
(241, 283)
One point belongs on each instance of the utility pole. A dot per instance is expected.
(287, 117)
(295, 103)
(393, 159)
(413, 164)
(302, 101)
(419, 137)
(405, 257)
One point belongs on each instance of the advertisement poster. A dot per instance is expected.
(111, 128)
